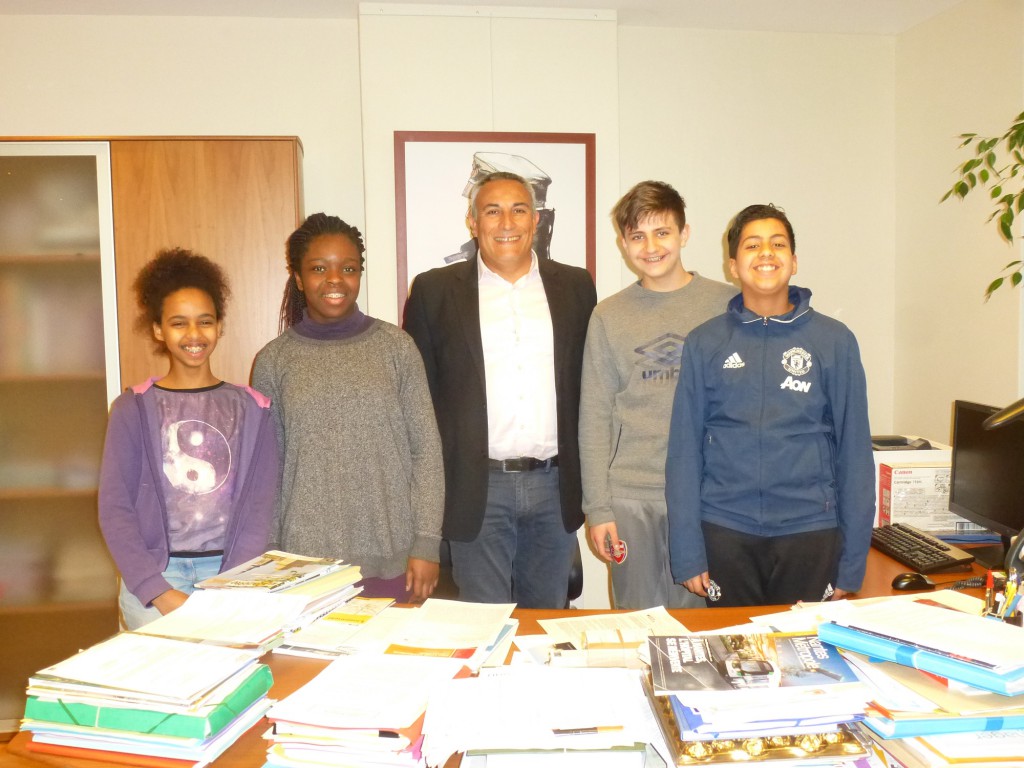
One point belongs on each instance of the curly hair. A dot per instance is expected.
(171, 270)
(756, 213)
(316, 225)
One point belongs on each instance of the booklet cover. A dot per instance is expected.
(689, 664)
(272, 571)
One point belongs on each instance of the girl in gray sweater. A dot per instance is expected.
(361, 470)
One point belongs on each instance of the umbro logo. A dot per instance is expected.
(733, 361)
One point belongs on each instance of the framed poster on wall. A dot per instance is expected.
(434, 171)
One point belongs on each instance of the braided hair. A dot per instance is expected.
(294, 302)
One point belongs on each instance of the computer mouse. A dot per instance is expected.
(911, 580)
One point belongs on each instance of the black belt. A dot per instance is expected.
(522, 464)
(195, 555)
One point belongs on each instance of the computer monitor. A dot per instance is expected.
(987, 483)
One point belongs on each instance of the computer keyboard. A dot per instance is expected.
(918, 550)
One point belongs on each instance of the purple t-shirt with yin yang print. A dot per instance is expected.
(199, 439)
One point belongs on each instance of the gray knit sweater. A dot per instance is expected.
(630, 368)
(361, 471)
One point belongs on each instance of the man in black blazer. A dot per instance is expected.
(502, 340)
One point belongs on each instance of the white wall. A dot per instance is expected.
(441, 72)
(803, 121)
(144, 75)
(960, 72)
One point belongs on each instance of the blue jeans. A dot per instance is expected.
(182, 573)
(523, 553)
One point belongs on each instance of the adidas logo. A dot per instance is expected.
(733, 361)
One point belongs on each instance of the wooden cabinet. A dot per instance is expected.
(77, 221)
(232, 200)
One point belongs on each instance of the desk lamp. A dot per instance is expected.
(1012, 412)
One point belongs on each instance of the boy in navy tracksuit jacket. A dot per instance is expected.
(769, 475)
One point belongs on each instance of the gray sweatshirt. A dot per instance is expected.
(630, 368)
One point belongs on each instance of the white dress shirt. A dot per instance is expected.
(519, 362)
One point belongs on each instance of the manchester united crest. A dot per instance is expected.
(796, 361)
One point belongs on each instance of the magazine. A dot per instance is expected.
(271, 572)
(747, 667)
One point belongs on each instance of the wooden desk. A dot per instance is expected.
(882, 568)
(290, 672)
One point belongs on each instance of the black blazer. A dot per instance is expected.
(443, 317)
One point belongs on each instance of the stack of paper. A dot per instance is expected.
(322, 583)
(977, 749)
(258, 603)
(767, 690)
(141, 699)
(531, 714)
(908, 702)
(361, 710)
(332, 635)
(272, 572)
(473, 632)
(980, 652)
(948, 686)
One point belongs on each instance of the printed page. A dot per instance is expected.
(231, 617)
(331, 634)
(655, 621)
(451, 624)
(271, 571)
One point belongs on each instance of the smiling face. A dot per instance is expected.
(764, 262)
(329, 278)
(653, 249)
(189, 328)
(504, 225)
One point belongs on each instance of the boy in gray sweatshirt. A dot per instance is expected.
(630, 368)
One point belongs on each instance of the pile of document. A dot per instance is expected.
(948, 685)
(146, 700)
(534, 714)
(367, 707)
(335, 634)
(476, 633)
(261, 601)
(361, 710)
(726, 697)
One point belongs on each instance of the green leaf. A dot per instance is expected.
(1006, 227)
(995, 192)
(1015, 278)
(1020, 202)
(983, 175)
(972, 180)
(961, 189)
(1011, 265)
(992, 287)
